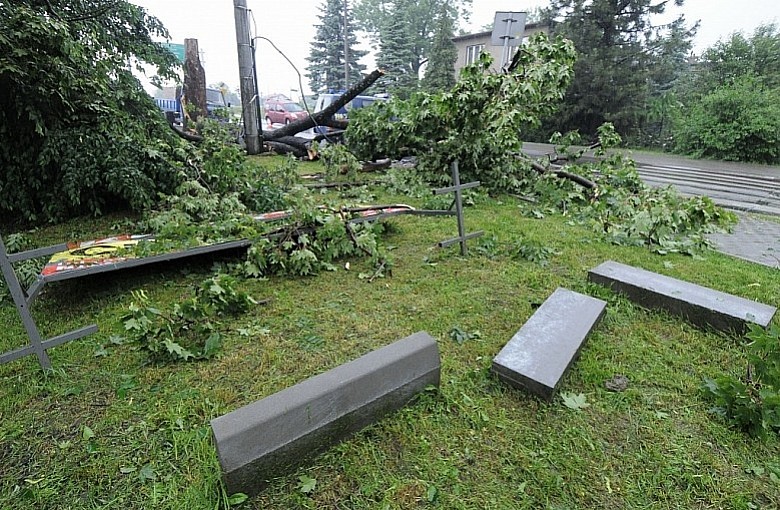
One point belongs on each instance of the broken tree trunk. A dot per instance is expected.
(321, 117)
(194, 80)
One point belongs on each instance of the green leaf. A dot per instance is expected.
(132, 324)
(87, 433)
(116, 339)
(178, 350)
(237, 498)
(307, 484)
(147, 473)
(432, 493)
(576, 402)
(213, 343)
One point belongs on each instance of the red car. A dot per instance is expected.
(283, 112)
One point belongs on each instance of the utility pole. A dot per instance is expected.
(246, 77)
(346, 47)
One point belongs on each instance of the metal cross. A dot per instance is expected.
(458, 188)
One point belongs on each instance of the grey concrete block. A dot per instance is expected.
(540, 353)
(273, 436)
(702, 306)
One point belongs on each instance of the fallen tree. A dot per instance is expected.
(284, 139)
(479, 122)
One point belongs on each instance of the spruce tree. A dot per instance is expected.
(419, 18)
(624, 60)
(440, 73)
(326, 58)
(396, 54)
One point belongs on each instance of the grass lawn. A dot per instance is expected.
(108, 429)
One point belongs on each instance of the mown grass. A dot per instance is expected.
(107, 429)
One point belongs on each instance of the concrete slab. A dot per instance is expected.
(273, 436)
(540, 353)
(702, 306)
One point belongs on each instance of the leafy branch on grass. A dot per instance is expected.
(752, 402)
(460, 336)
(189, 330)
(310, 241)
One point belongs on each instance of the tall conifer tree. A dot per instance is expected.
(326, 57)
(396, 53)
(440, 73)
(419, 18)
(625, 57)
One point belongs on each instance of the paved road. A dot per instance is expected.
(744, 188)
(753, 239)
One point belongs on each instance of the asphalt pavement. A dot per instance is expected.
(754, 238)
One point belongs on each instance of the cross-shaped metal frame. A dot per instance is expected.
(23, 300)
(458, 188)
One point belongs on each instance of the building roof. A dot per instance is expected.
(480, 35)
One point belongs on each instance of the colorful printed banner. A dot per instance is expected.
(99, 252)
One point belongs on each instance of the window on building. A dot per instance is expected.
(472, 53)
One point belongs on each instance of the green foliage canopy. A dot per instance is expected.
(396, 52)
(728, 61)
(77, 131)
(735, 122)
(420, 21)
(479, 122)
(440, 72)
(732, 101)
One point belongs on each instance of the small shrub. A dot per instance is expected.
(751, 403)
(736, 122)
(531, 251)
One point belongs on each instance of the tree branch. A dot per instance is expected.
(321, 117)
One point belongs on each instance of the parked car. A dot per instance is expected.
(283, 111)
(326, 100)
(169, 101)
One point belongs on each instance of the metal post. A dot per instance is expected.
(458, 188)
(505, 50)
(246, 78)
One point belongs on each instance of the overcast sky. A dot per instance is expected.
(290, 25)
